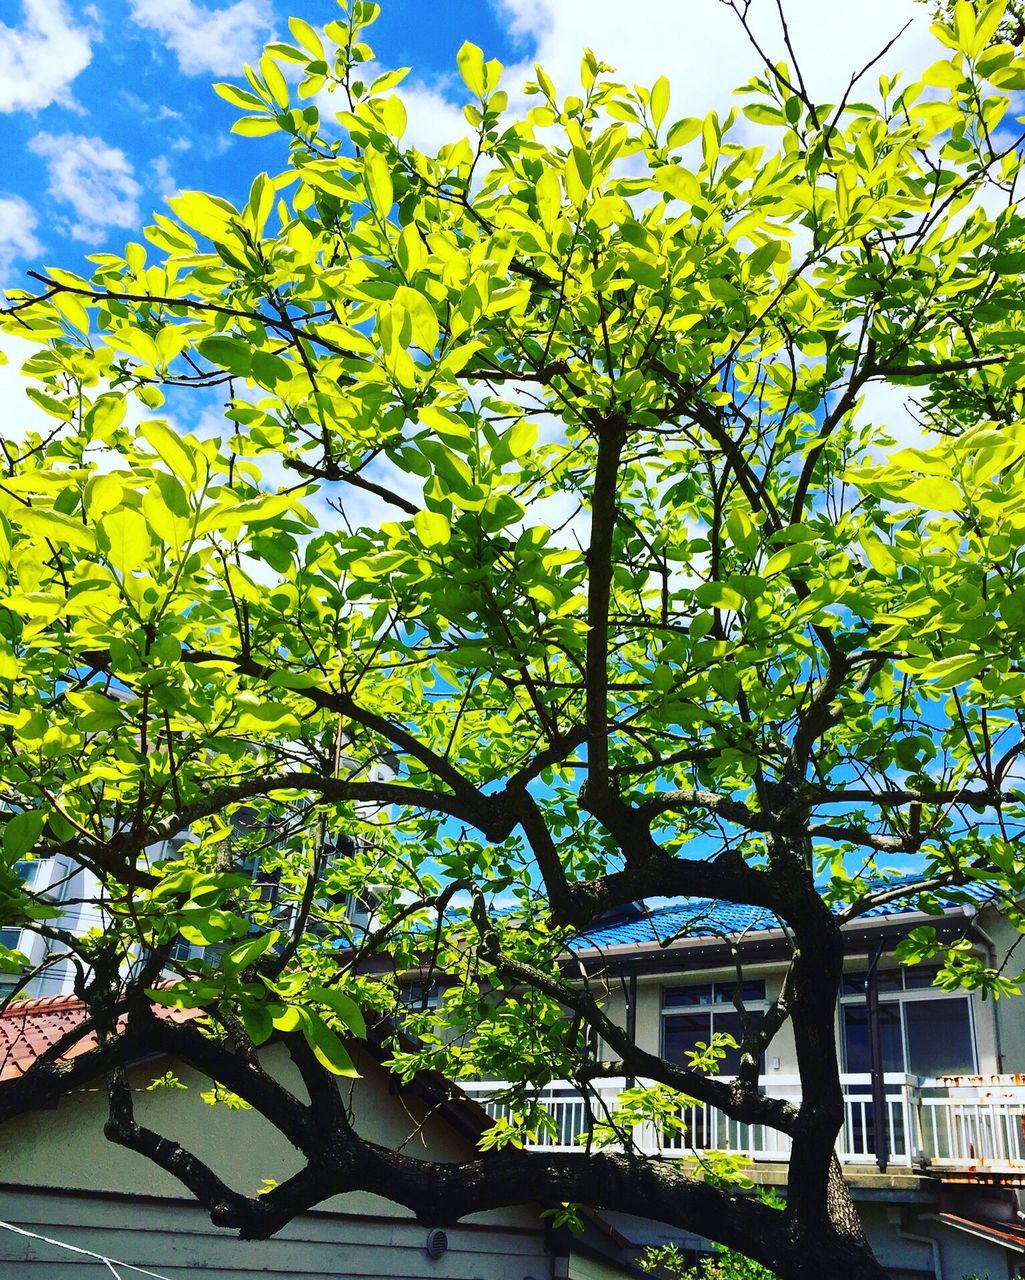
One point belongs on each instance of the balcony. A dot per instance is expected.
(957, 1128)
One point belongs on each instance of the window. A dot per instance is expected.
(182, 952)
(418, 997)
(691, 1015)
(27, 869)
(923, 1033)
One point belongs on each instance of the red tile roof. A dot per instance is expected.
(29, 1027)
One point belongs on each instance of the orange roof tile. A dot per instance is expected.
(28, 1028)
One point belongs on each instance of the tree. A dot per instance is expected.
(546, 476)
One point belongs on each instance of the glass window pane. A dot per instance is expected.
(752, 992)
(688, 995)
(857, 1058)
(730, 1024)
(920, 975)
(682, 1032)
(889, 979)
(854, 984)
(939, 1037)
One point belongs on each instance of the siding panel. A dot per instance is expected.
(175, 1240)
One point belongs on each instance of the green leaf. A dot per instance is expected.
(21, 833)
(229, 353)
(788, 557)
(105, 415)
(763, 257)
(127, 540)
(238, 97)
(61, 530)
(432, 528)
(659, 100)
(880, 557)
(307, 37)
(327, 1048)
(471, 67)
(579, 175)
(257, 1021)
(208, 215)
(683, 131)
(423, 320)
(286, 1018)
(548, 193)
(185, 995)
(50, 404)
(229, 517)
(521, 437)
(241, 957)
(179, 457)
(678, 182)
(717, 595)
(377, 175)
(347, 1010)
(933, 493)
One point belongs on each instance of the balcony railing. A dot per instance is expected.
(969, 1124)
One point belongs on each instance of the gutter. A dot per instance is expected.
(766, 945)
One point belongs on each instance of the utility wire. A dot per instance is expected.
(109, 1263)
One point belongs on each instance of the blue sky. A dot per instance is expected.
(106, 106)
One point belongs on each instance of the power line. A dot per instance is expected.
(109, 1263)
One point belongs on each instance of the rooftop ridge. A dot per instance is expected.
(42, 1004)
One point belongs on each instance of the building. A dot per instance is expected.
(69, 1199)
(933, 1144)
(73, 889)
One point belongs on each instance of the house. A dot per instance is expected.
(933, 1144)
(70, 1199)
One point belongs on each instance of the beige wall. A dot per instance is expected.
(66, 1148)
(1009, 1011)
(65, 1181)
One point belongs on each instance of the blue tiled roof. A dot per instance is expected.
(708, 918)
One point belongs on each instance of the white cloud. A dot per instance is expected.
(700, 46)
(166, 183)
(42, 56)
(94, 178)
(17, 233)
(215, 40)
(432, 120)
(18, 414)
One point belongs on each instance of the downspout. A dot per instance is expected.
(991, 960)
(934, 1245)
(631, 1015)
(880, 1115)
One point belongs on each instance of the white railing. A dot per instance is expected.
(966, 1123)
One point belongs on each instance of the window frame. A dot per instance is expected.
(726, 1006)
(905, 996)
